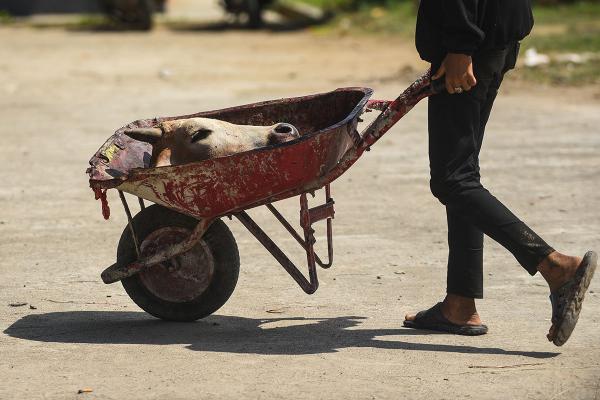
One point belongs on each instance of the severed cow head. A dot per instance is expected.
(184, 141)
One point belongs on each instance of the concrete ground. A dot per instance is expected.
(64, 92)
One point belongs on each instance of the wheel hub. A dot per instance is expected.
(184, 277)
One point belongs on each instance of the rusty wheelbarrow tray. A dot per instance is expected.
(227, 186)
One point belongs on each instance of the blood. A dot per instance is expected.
(101, 194)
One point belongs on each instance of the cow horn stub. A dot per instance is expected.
(148, 135)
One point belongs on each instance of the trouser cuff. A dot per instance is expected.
(465, 293)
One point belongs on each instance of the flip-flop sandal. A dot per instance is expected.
(434, 320)
(567, 300)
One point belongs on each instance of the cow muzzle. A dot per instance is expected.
(283, 132)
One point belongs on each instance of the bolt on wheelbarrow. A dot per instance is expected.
(176, 259)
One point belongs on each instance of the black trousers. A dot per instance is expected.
(456, 128)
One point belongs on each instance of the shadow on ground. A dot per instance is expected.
(229, 334)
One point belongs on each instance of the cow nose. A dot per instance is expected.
(286, 129)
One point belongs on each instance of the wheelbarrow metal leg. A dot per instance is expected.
(129, 222)
(309, 286)
(328, 207)
(309, 216)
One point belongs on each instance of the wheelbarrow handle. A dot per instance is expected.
(436, 86)
(393, 111)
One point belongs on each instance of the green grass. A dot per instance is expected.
(573, 28)
(580, 12)
(5, 17)
(565, 29)
(563, 74)
(573, 40)
(395, 18)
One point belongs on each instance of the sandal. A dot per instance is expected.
(434, 320)
(567, 300)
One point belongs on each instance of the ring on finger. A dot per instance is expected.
(458, 90)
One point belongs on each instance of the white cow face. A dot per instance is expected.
(195, 139)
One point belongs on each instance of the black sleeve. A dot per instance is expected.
(460, 32)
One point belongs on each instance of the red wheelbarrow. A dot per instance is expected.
(176, 259)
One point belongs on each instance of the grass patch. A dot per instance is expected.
(573, 28)
(563, 73)
(565, 29)
(5, 17)
(395, 18)
(71, 22)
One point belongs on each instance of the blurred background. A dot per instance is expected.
(563, 49)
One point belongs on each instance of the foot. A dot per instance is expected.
(557, 269)
(458, 310)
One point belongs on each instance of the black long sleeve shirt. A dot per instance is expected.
(469, 26)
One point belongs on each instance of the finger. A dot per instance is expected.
(465, 85)
(471, 76)
(440, 72)
(409, 317)
(471, 80)
(449, 87)
(461, 82)
(455, 84)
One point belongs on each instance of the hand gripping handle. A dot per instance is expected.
(393, 111)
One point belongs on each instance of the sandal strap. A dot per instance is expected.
(432, 315)
(558, 300)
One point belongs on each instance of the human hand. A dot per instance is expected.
(458, 69)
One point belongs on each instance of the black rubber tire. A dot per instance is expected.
(224, 249)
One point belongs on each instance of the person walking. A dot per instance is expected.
(472, 44)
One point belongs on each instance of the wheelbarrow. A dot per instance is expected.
(176, 259)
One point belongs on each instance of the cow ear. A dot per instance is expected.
(148, 135)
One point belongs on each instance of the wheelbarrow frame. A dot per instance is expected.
(391, 112)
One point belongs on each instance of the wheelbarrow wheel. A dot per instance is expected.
(190, 286)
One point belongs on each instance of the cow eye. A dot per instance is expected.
(200, 134)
